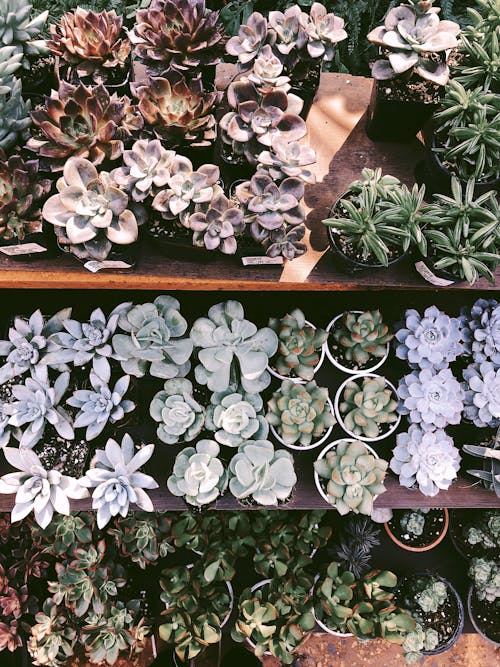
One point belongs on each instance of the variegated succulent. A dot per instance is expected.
(90, 213)
(216, 224)
(14, 115)
(287, 158)
(147, 168)
(83, 122)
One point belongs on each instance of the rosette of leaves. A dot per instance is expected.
(178, 112)
(90, 43)
(333, 597)
(116, 479)
(481, 331)
(482, 394)
(410, 40)
(361, 337)
(83, 122)
(152, 340)
(431, 340)
(234, 416)
(231, 349)
(485, 576)
(64, 534)
(52, 637)
(250, 40)
(198, 475)
(183, 35)
(21, 30)
(260, 474)
(267, 72)
(90, 213)
(216, 224)
(351, 477)
(427, 459)
(287, 158)
(146, 169)
(300, 412)
(14, 115)
(179, 415)
(431, 399)
(299, 345)
(366, 404)
(143, 538)
(323, 31)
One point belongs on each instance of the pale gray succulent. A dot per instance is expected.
(38, 490)
(152, 341)
(235, 416)
(250, 40)
(27, 344)
(10, 62)
(116, 479)
(14, 115)
(433, 596)
(216, 224)
(427, 459)
(485, 575)
(287, 158)
(198, 475)
(259, 473)
(431, 399)
(482, 394)
(290, 34)
(179, 415)
(101, 404)
(21, 31)
(231, 349)
(146, 169)
(324, 30)
(267, 72)
(482, 331)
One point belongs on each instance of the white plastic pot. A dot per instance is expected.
(338, 397)
(256, 586)
(352, 371)
(298, 380)
(313, 445)
(320, 624)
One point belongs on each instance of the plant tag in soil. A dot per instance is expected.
(22, 249)
(260, 261)
(94, 266)
(431, 278)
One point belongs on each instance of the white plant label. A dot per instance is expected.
(94, 266)
(22, 249)
(260, 261)
(431, 278)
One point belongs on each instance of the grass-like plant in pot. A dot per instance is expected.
(418, 529)
(349, 475)
(483, 599)
(366, 407)
(415, 47)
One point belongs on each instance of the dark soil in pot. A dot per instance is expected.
(435, 526)
(485, 617)
(69, 457)
(40, 79)
(460, 521)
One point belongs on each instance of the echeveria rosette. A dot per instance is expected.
(180, 417)
(234, 417)
(431, 399)
(38, 490)
(290, 34)
(250, 40)
(324, 30)
(431, 340)
(232, 349)
(267, 72)
(482, 394)
(481, 331)
(427, 459)
(198, 475)
(287, 158)
(259, 473)
(152, 340)
(217, 224)
(117, 481)
(146, 169)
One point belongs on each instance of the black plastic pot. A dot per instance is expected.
(42, 85)
(474, 620)
(306, 87)
(232, 167)
(17, 250)
(424, 266)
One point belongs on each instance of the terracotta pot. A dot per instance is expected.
(427, 547)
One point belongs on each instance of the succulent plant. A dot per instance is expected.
(366, 404)
(116, 479)
(287, 158)
(432, 340)
(410, 39)
(82, 122)
(143, 538)
(19, 30)
(481, 331)
(216, 224)
(417, 641)
(358, 537)
(485, 576)
(351, 476)
(234, 416)
(361, 337)
(324, 30)
(289, 30)
(183, 35)
(179, 415)
(482, 394)
(431, 399)
(14, 116)
(485, 531)
(90, 213)
(179, 112)
(232, 349)
(152, 340)
(286, 243)
(267, 72)
(260, 474)
(433, 596)
(300, 412)
(250, 40)
(147, 168)
(333, 599)
(92, 43)
(52, 637)
(198, 474)
(427, 459)
(413, 521)
(38, 490)
(10, 62)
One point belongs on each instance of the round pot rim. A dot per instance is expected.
(436, 157)
(337, 363)
(427, 547)
(472, 617)
(259, 584)
(340, 421)
(313, 445)
(299, 380)
(325, 628)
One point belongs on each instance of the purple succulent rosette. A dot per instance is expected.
(482, 394)
(481, 331)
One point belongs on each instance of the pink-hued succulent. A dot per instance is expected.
(250, 40)
(216, 224)
(286, 158)
(324, 30)
(146, 169)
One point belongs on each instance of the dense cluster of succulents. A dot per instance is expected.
(413, 521)
(147, 168)
(481, 331)
(366, 405)
(14, 113)
(235, 416)
(482, 394)
(179, 415)
(361, 337)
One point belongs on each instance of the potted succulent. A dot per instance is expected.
(366, 407)
(483, 599)
(475, 533)
(180, 417)
(481, 330)
(14, 111)
(415, 47)
(235, 416)
(349, 475)
(482, 394)
(334, 599)
(358, 341)
(418, 530)
(300, 415)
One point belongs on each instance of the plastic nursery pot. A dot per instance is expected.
(295, 379)
(377, 363)
(338, 398)
(304, 448)
(305, 82)
(426, 547)
(322, 454)
(472, 607)
(322, 625)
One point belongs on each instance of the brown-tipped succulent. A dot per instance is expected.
(216, 224)
(83, 122)
(21, 192)
(179, 112)
(362, 337)
(90, 43)
(90, 212)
